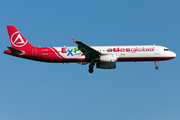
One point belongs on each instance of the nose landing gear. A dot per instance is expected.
(156, 65)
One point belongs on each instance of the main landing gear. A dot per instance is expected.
(91, 66)
(156, 65)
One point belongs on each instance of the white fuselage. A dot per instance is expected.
(123, 53)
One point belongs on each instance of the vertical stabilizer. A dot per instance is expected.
(17, 39)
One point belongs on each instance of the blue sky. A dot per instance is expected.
(33, 90)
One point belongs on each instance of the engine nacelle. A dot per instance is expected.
(108, 58)
(109, 65)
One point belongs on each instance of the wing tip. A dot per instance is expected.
(74, 41)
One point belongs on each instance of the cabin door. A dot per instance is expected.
(156, 50)
(34, 52)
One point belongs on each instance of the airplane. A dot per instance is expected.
(105, 57)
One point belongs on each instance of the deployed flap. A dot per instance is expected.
(88, 51)
(15, 50)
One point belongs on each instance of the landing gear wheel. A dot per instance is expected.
(91, 70)
(91, 66)
(156, 67)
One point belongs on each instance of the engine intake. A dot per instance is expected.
(108, 58)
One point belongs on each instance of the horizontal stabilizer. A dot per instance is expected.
(15, 50)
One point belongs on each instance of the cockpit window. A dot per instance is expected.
(166, 49)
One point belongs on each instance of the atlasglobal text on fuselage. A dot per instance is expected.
(105, 57)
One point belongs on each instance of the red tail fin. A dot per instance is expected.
(17, 40)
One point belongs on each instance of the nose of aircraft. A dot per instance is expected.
(173, 54)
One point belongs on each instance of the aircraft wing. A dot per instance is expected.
(88, 51)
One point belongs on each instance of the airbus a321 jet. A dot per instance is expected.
(105, 57)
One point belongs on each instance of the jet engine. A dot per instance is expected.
(108, 58)
(110, 65)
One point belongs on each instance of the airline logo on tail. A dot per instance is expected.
(17, 40)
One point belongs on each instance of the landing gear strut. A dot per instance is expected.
(156, 65)
(91, 67)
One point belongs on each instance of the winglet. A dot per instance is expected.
(74, 40)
